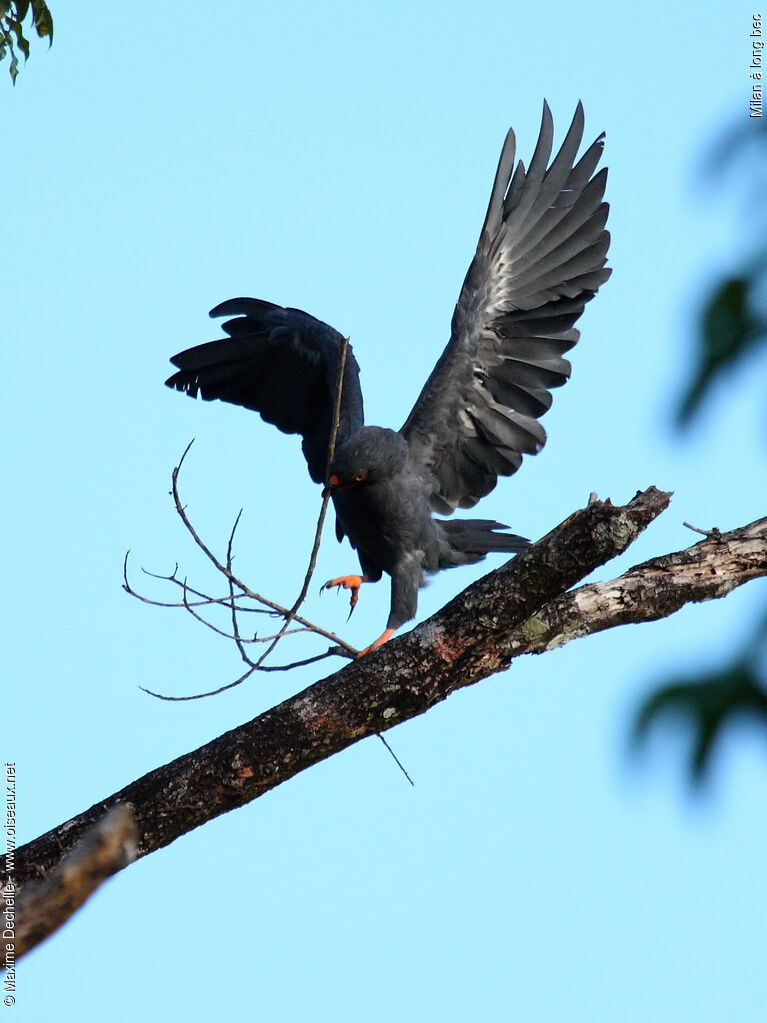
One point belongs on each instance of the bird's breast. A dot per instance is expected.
(386, 521)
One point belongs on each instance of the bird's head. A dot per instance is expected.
(370, 455)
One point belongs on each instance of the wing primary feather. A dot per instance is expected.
(502, 175)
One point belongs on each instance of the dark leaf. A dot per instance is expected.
(12, 16)
(22, 43)
(43, 20)
(728, 329)
(709, 730)
(708, 704)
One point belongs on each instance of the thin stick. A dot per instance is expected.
(332, 652)
(704, 532)
(204, 602)
(232, 603)
(325, 498)
(199, 696)
(397, 761)
(190, 605)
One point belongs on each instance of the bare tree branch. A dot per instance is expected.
(106, 847)
(233, 603)
(647, 592)
(205, 598)
(205, 601)
(522, 607)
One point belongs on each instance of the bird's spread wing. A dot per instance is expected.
(282, 363)
(541, 256)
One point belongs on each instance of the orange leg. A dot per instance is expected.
(348, 582)
(383, 638)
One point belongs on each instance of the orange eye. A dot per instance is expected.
(360, 476)
(334, 480)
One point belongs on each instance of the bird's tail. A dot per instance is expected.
(469, 540)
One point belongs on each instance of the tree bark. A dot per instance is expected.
(522, 607)
(44, 906)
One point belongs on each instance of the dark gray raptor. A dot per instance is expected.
(541, 256)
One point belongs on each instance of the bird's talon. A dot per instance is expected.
(347, 582)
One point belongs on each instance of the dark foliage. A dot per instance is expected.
(732, 328)
(13, 14)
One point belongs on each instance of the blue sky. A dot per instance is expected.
(339, 159)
